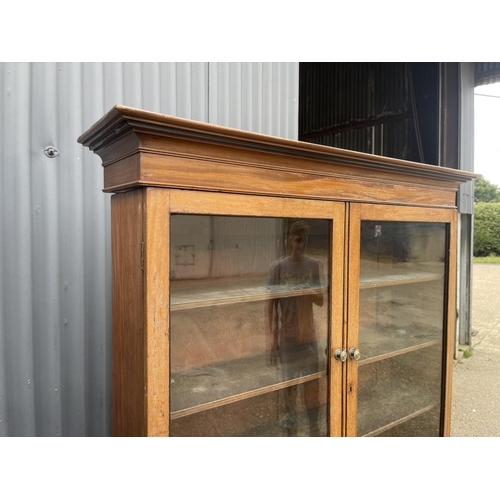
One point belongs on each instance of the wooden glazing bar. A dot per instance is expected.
(200, 202)
(404, 214)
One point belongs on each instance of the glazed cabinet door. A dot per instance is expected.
(400, 327)
(255, 316)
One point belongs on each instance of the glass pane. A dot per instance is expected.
(277, 413)
(248, 325)
(401, 321)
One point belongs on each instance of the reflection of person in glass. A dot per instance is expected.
(292, 327)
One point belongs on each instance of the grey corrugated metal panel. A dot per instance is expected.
(266, 124)
(234, 94)
(104, 86)
(190, 91)
(218, 82)
(45, 199)
(175, 88)
(279, 114)
(290, 100)
(260, 97)
(55, 299)
(3, 383)
(132, 88)
(247, 92)
(3, 350)
(18, 279)
(151, 85)
(74, 274)
(467, 84)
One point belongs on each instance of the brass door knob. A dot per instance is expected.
(354, 353)
(340, 355)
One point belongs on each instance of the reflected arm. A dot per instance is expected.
(272, 329)
(318, 297)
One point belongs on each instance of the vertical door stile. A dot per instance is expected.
(157, 309)
(450, 327)
(337, 283)
(351, 322)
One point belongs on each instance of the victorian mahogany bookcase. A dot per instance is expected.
(270, 287)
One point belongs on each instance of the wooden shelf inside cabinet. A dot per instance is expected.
(383, 275)
(413, 416)
(192, 298)
(389, 348)
(200, 389)
(397, 279)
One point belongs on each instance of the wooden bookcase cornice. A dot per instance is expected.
(141, 148)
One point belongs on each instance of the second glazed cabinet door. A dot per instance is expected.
(399, 318)
(283, 324)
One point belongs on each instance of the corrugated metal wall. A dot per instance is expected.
(55, 319)
(466, 192)
(487, 73)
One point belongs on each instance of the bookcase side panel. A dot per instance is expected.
(128, 359)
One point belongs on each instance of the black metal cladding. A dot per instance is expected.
(487, 73)
(388, 109)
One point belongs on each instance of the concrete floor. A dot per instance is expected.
(476, 379)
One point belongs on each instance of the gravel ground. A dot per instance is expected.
(476, 379)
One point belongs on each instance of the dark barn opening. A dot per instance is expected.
(389, 109)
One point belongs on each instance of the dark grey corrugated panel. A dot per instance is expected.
(487, 73)
(357, 106)
(54, 222)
